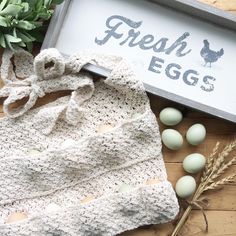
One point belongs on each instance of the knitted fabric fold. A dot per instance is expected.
(62, 169)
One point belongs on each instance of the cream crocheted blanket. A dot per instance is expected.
(85, 163)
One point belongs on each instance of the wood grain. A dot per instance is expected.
(227, 5)
(222, 222)
(221, 212)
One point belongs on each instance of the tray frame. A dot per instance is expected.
(193, 8)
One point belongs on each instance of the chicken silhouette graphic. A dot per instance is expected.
(209, 55)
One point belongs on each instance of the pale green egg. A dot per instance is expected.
(196, 134)
(185, 186)
(170, 116)
(172, 139)
(125, 188)
(194, 163)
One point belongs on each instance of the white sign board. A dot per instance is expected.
(189, 60)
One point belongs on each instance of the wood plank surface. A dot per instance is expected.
(221, 212)
(223, 222)
(227, 5)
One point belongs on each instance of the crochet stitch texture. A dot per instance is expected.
(52, 157)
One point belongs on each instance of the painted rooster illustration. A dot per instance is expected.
(209, 55)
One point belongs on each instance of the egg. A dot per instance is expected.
(33, 152)
(125, 188)
(172, 139)
(104, 128)
(87, 199)
(196, 134)
(194, 163)
(16, 216)
(185, 186)
(170, 116)
(152, 181)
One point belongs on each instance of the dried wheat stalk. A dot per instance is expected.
(210, 180)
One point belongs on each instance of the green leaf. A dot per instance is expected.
(25, 25)
(15, 1)
(25, 6)
(26, 38)
(50, 12)
(2, 41)
(39, 5)
(38, 36)
(11, 39)
(44, 15)
(23, 21)
(22, 44)
(32, 2)
(14, 33)
(47, 3)
(3, 21)
(29, 15)
(10, 46)
(38, 24)
(29, 46)
(11, 10)
(57, 1)
(2, 4)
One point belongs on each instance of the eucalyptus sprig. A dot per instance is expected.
(211, 179)
(21, 21)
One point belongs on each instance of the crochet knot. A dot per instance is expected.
(37, 90)
(21, 95)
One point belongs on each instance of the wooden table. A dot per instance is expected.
(221, 213)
